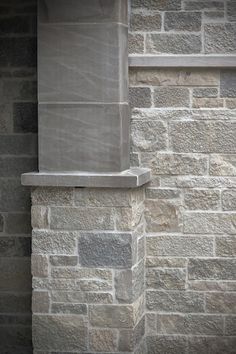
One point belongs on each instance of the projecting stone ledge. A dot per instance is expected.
(132, 178)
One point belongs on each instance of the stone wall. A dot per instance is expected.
(183, 128)
(18, 151)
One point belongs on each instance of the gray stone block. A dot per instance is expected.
(148, 135)
(205, 92)
(202, 199)
(171, 97)
(15, 274)
(220, 38)
(140, 97)
(16, 303)
(164, 43)
(166, 279)
(169, 344)
(5, 118)
(221, 302)
(145, 22)
(15, 25)
(59, 261)
(105, 250)
(15, 166)
(19, 144)
(18, 90)
(226, 246)
(52, 196)
(103, 340)
(210, 223)
(230, 325)
(228, 83)
(211, 345)
(136, 43)
(39, 265)
(40, 302)
(14, 246)
(54, 242)
(74, 309)
(223, 165)
(212, 269)
(229, 200)
(59, 332)
(203, 5)
(111, 316)
(178, 301)
(231, 10)
(162, 5)
(182, 21)
(25, 117)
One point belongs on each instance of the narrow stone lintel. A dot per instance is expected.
(183, 61)
(132, 178)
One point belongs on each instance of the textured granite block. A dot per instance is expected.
(83, 137)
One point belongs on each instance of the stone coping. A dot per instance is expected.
(183, 61)
(132, 178)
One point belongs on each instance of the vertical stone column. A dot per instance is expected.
(88, 270)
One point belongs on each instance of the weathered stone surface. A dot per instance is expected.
(230, 103)
(52, 196)
(102, 340)
(213, 16)
(223, 165)
(226, 246)
(58, 261)
(162, 5)
(203, 5)
(39, 265)
(178, 301)
(174, 164)
(5, 118)
(171, 97)
(148, 135)
(190, 324)
(202, 199)
(211, 285)
(230, 326)
(112, 316)
(59, 332)
(39, 217)
(198, 182)
(166, 344)
(105, 250)
(15, 274)
(158, 193)
(207, 102)
(165, 262)
(14, 246)
(231, 10)
(136, 43)
(229, 200)
(212, 345)
(140, 97)
(182, 21)
(175, 77)
(179, 246)
(145, 22)
(81, 273)
(220, 38)
(203, 137)
(75, 309)
(126, 219)
(205, 92)
(163, 216)
(210, 223)
(221, 303)
(81, 218)
(40, 302)
(227, 83)
(173, 43)
(54, 242)
(166, 279)
(212, 269)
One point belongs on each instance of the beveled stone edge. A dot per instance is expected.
(132, 178)
(183, 61)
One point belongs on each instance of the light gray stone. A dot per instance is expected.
(145, 22)
(81, 297)
(173, 43)
(102, 340)
(220, 38)
(230, 325)
(212, 269)
(202, 199)
(166, 279)
(226, 246)
(112, 250)
(111, 316)
(52, 196)
(203, 5)
(165, 262)
(207, 102)
(158, 193)
(203, 137)
(190, 324)
(212, 345)
(231, 10)
(148, 135)
(182, 21)
(210, 223)
(166, 344)
(179, 246)
(221, 303)
(171, 97)
(223, 165)
(54, 242)
(229, 199)
(39, 265)
(74, 309)
(59, 332)
(39, 217)
(178, 301)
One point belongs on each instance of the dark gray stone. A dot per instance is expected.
(105, 250)
(15, 246)
(205, 92)
(20, 144)
(15, 25)
(140, 97)
(58, 261)
(18, 223)
(220, 38)
(25, 116)
(18, 51)
(212, 345)
(182, 21)
(161, 5)
(231, 10)
(14, 197)
(136, 43)
(15, 166)
(230, 326)
(15, 303)
(76, 309)
(228, 83)
(1, 222)
(145, 22)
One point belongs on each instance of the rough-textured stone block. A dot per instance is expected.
(214, 269)
(230, 103)
(81, 219)
(156, 193)
(223, 165)
(210, 223)
(60, 261)
(19, 90)
(205, 92)
(148, 135)
(212, 345)
(102, 340)
(179, 246)
(5, 118)
(221, 302)
(169, 344)
(203, 136)
(163, 216)
(166, 279)
(140, 97)
(15, 274)
(1, 223)
(171, 97)
(39, 265)
(230, 326)
(53, 242)
(228, 83)
(39, 217)
(52, 196)
(203, 5)
(229, 200)
(175, 164)
(136, 43)
(81, 297)
(213, 16)
(182, 21)
(105, 250)
(145, 22)
(207, 102)
(190, 324)
(25, 117)
(14, 246)
(226, 246)
(75, 309)
(231, 10)
(111, 316)
(162, 5)
(40, 302)
(165, 262)
(178, 301)
(173, 43)
(220, 38)
(59, 333)
(202, 199)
